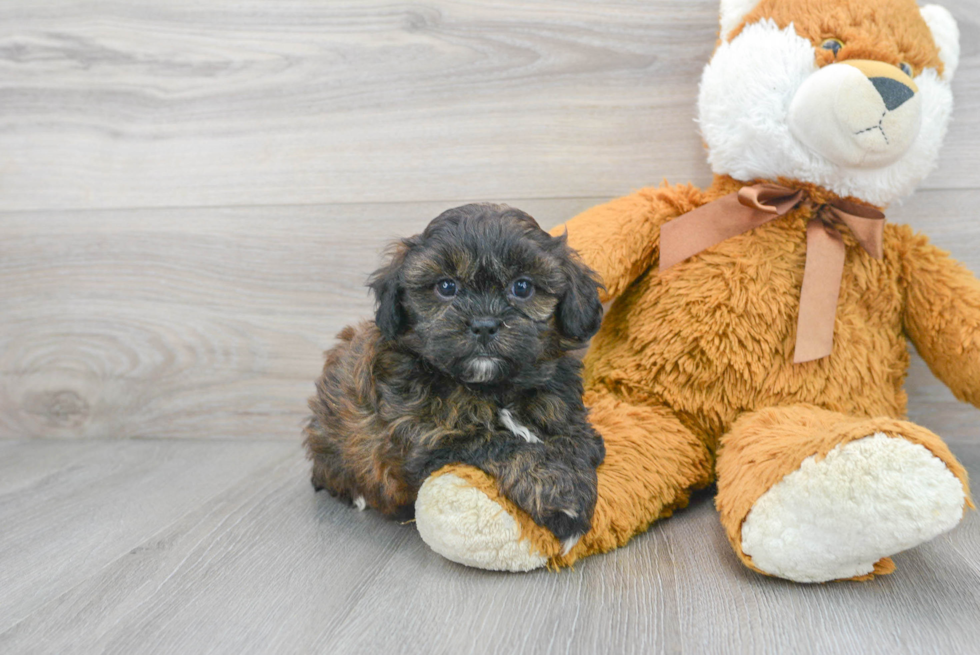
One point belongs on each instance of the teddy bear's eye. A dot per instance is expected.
(906, 68)
(834, 45)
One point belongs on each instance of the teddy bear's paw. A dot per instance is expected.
(833, 519)
(464, 525)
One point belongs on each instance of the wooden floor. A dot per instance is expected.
(191, 197)
(188, 546)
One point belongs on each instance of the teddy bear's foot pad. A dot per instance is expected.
(833, 519)
(463, 525)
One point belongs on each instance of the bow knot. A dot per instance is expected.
(756, 205)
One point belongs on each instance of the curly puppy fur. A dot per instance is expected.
(466, 362)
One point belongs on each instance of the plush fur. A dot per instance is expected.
(480, 375)
(744, 119)
(496, 542)
(874, 496)
(691, 379)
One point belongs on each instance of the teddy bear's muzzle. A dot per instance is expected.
(857, 113)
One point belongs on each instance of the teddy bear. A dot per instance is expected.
(757, 336)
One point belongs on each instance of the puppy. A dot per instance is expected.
(466, 362)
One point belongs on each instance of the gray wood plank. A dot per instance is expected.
(148, 104)
(185, 323)
(949, 219)
(268, 566)
(335, 580)
(210, 323)
(271, 567)
(928, 605)
(276, 147)
(67, 509)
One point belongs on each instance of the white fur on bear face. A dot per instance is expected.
(732, 13)
(946, 35)
(839, 114)
(744, 104)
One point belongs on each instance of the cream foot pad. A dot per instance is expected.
(866, 500)
(462, 524)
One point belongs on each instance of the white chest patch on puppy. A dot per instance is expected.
(519, 430)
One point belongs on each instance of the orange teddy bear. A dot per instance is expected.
(760, 342)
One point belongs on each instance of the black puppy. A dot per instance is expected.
(466, 362)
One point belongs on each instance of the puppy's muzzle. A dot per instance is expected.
(485, 329)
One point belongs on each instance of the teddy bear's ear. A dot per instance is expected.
(732, 13)
(946, 35)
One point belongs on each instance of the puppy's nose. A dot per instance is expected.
(485, 329)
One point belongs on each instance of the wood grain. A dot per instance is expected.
(69, 509)
(928, 605)
(185, 323)
(211, 322)
(191, 197)
(147, 104)
(265, 565)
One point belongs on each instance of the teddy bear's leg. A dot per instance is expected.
(652, 463)
(812, 495)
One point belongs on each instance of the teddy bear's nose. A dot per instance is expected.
(893, 92)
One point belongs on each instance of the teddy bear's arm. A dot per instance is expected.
(620, 239)
(942, 315)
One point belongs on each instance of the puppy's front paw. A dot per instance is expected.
(565, 504)
(568, 524)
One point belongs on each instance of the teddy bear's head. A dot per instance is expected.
(850, 95)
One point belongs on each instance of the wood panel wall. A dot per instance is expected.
(192, 194)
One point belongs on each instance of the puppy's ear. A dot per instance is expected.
(386, 283)
(579, 311)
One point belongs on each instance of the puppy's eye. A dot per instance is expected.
(906, 68)
(446, 288)
(522, 289)
(834, 45)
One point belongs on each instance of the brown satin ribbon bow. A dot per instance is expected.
(756, 205)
